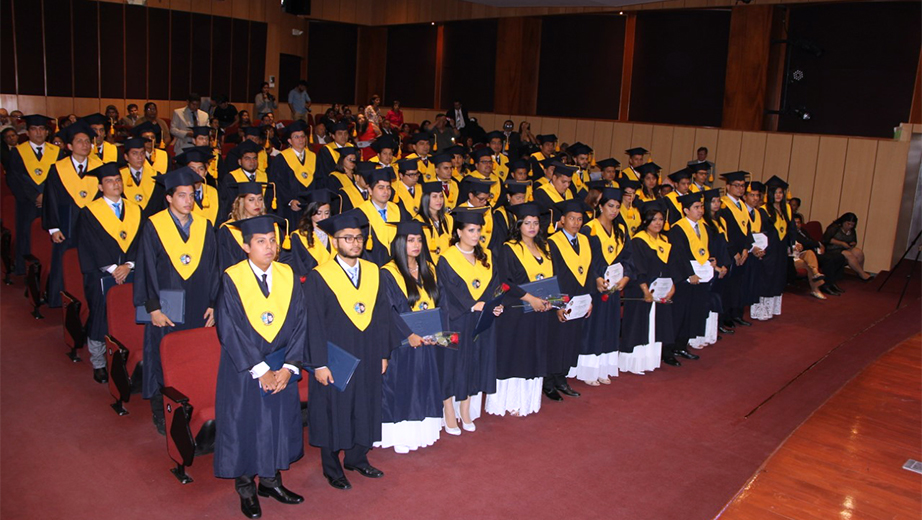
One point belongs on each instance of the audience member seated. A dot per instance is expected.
(841, 238)
(823, 270)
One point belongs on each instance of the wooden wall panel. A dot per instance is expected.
(883, 214)
(601, 140)
(58, 106)
(585, 131)
(778, 148)
(752, 154)
(827, 185)
(85, 106)
(729, 143)
(36, 105)
(802, 170)
(683, 146)
(566, 131)
(857, 181)
(642, 135)
(707, 137)
(621, 140)
(747, 68)
(661, 145)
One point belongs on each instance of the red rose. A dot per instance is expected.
(566, 299)
(505, 287)
(303, 279)
(454, 339)
(605, 297)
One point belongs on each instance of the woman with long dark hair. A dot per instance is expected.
(310, 245)
(717, 245)
(647, 323)
(521, 337)
(412, 407)
(467, 280)
(630, 215)
(610, 244)
(649, 180)
(781, 232)
(841, 238)
(437, 223)
(347, 180)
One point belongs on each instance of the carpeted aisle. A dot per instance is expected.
(674, 444)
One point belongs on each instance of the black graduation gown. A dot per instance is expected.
(691, 303)
(341, 420)
(717, 244)
(565, 339)
(411, 389)
(256, 434)
(25, 191)
(636, 321)
(288, 188)
(472, 367)
(776, 257)
(97, 250)
(602, 331)
(153, 273)
(500, 228)
(229, 251)
(754, 281)
(521, 338)
(326, 163)
(738, 240)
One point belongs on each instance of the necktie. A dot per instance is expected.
(118, 210)
(752, 214)
(383, 213)
(696, 231)
(365, 195)
(301, 159)
(80, 171)
(412, 191)
(354, 276)
(198, 196)
(137, 177)
(425, 162)
(99, 152)
(573, 242)
(38, 153)
(264, 285)
(497, 159)
(445, 187)
(738, 206)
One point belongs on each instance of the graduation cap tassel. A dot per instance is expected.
(274, 203)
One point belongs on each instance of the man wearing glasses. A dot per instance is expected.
(353, 314)
(406, 191)
(382, 215)
(739, 237)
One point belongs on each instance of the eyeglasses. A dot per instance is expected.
(351, 239)
(738, 185)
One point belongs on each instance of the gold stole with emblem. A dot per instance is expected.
(184, 255)
(384, 231)
(410, 202)
(661, 246)
(38, 169)
(304, 173)
(349, 188)
(158, 161)
(533, 269)
(209, 208)
(357, 303)
(577, 263)
(319, 252)
(631, 217)
(611, 246)
(425, 301)
(240, 176)
(140, 195)
(699, 246)
(109, 152)
(740, 215)
(122, 231)
(266, 314)
(781, 224)
(436, 241)
(84, 190)
(476, 276)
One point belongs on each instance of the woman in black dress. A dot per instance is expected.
(841, 238)
(248, 203)
(777, 259)
(310, 246)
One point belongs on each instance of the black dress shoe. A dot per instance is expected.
(829, 291)
(728, 323)
(553, 394)
(725, 330)
(161, 426)
(565, 389)
(672, 361)
(280, 493)
(339, 483)
(250, 507)
(836, 288)
(686, 354)
(741, 321)
(719, 337)
(100, 376)
(367, 471)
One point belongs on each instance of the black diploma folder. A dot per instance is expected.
(486, 316)
(341, 364)
(172, 303)
(426, 323)
(540, 289)
(108, 282)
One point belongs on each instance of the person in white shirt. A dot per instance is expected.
(184, 119)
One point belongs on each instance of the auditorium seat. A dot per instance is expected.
(226, 148)
(190, 374)
(315, 147)
(310, 120)
(414, 127)
(284, 122)
(37, 265)
(814, 230)
(124, 346)
(7, 225)
(73, 304)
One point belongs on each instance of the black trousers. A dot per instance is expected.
(56, 272)
(26, 213)
(552, 381)
(246, 484)
(356, 456)
(156, 407)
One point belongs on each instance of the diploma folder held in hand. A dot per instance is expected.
(342, 366)
(540, 289)
(172, 304)
(426, 323)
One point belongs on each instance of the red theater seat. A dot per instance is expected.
(124, 345)
(7, 225)
(190, 375)
(73, 303)
(814, 230)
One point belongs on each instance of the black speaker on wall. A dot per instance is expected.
(297, 7)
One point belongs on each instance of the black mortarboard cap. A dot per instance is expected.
(200, 154)
(513, 187)
(419, 136)
(183, 176)
(481, 152)
(495, 134)
(710, 194)
(467, 215)
(410, 227)
(756, 186)
(626, 183)
(134, 142)
(571, 206)
(259, 224)
(36, 120)
(734, 176)
(562, 169)
(518, 164)
(408, 165)
(655, 204)
(578, 149)
(475, 185)
(776, 181)
(339, 125)
(249, 188)
(200, 130)
(597, 185)
(96, 119)
(352, 219)
(80, 127)
(246, 147)
(385, 141)
(372, 177)
(106, 170)
(441, 158)
(702, 166)
(455, 150)
(684, 173)
(687, 200)
(346, 150)
(251, 131)
(366, 166)
(608, 163)
(527, 209)
(146, 126)
(431, 187)
(636, 151)
(546, 138)
(611, 194)
(296, 126)
(650, 167)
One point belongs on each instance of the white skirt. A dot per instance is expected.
(407, 436)
(476, 407)
(647, 357)
(592, 367)
(761, 311)
(710, 333)
(776, 304)
(515, 395)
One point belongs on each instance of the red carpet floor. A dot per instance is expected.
(677, 443)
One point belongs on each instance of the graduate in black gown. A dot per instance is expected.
(759, 266)
(346, 179)
(382, 215)
(294, 171)
(571, 254)
(139, 179)
(610, 242)
(248, 171)
(208, 201)
(521, 337)
(29, 166)
(177, 251)
(309, 245)
(647, 324)
(249, 203)
(350, 310)
(328, 156)
(67, 190)
(717, 246)
(739, 241)
(107, 249)
(780, 227)
(467, 275)
(412, 408)
(262, 325)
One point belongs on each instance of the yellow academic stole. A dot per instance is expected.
(781, 224)
(661, 246)
(109, 152)
(38, 170)
(501, 168)
(438, 242)
(630, 174)
(303, 172)
(209, 207)
(410, 202)
(476, 277)
(578, 264)
(552, 193)
(427, 170)
(320, 253)
(140, 195)
(631, 217)
(184, 256)
(643, 198)
(158, 161)
(263, 159)
(533, 269)
(84, 190)
(699, 246)
(266, 314)
(334, 151)
(451, 200)
(384, 231)
(757, 221)
(740, 215)
(213, 164)
(349, 188)
(358, 303)
(392, 165)
(425, 301)
(240, 176)
(123, 231)
(611, 246)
